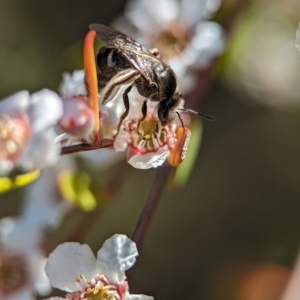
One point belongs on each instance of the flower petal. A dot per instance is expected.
(139, 16)
(137, 297)
(148, 160)
(207, 43)
(40, 152)
(41, 281)
(23, 294)
(67, 262)
(15, 104)
(17, 232)
(117, 255)
(195, 10)
(73, 84)
(192, 11)
(78, 117)
(102, 160)
(5, 166)
(45, 110)
(145, 12)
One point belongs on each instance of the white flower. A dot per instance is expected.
(78, 118)
(73, 84)
(179, 30)
(21, 261)
(26, 130)
(72, 267)
(151, 144)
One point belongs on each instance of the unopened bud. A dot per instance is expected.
(78, 118)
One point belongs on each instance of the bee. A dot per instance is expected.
(124, 62)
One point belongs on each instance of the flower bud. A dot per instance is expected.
(78, 117)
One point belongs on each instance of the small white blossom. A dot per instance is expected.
(179, 30)
(21, 261)
(149, 145)
(78, 118)
(26, 130)
(72, 267)
(72, 85)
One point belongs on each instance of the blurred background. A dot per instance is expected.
(232, 232)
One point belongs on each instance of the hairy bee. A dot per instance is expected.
(123, 61)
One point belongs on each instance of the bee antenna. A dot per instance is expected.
(208, 118)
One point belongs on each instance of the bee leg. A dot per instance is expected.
(127, 76)
(157, 128)
(179, 117)
(126, 104)
(144, 112)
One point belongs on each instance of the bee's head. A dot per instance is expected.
(170, 108)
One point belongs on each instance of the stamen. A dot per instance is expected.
(178, 153)
(98, 288)
(91, 75)
(14, 133)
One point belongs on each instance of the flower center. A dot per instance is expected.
(98, 288)
(13, 272)
(14, 133)
(172, 41)
(150, 136)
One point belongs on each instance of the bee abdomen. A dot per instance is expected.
(109, 63)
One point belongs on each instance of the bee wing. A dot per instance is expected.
(107, 34)
(137, 55)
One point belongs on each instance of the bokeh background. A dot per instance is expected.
(232, 232)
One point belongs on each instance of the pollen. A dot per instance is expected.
(14, 134)
(185, 145)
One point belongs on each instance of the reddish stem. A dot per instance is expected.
(158, 186)
(161, 179)
(104, 143)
